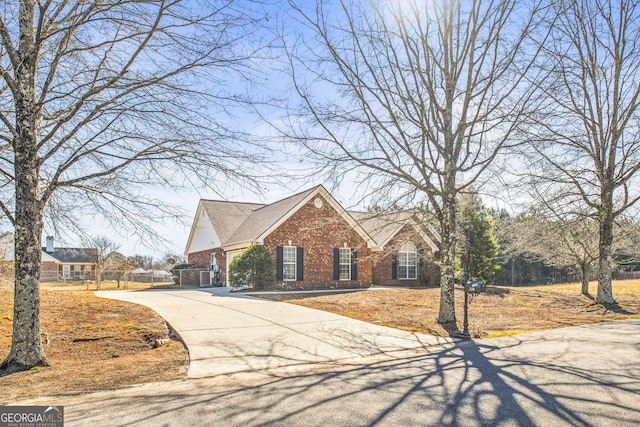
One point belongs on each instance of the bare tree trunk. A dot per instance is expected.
(584, 270)
(70, 104)
(435, 90)
(447, 313)
(26, 344)
(593, 134)
(605, 290)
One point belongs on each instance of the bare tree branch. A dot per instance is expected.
(102, 101)
(589, 140)
(427, 93)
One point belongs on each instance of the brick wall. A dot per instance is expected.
(430, 274)
(319, 231)
(51, 271)
(203, 258)
(48, 271)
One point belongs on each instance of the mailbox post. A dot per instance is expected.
(472, 288)
(465, 324)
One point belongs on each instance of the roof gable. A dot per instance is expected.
(241, 224)
(265, 219)
(320, 190)
(221, 218)
(234, 215)
(384, 227)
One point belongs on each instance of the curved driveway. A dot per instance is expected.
(230, 333)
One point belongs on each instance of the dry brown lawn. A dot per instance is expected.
(499, 311)
(92, 344)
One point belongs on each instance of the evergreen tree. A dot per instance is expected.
(478, 249)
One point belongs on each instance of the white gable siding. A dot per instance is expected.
(48, 258)
(204, 236)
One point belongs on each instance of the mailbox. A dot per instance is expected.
(474, 286)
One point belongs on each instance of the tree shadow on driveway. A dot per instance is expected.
(579, 376)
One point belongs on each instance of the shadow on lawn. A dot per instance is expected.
(615, 308)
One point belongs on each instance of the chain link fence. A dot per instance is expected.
(626, 275)
(120, 279)
(191, 277)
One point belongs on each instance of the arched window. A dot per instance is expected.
(407, 261)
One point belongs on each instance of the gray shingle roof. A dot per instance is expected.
(244, 223)
(72, 255)
(381, 227)
(237, 223)
(227, 217)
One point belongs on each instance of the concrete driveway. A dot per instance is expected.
(579, 376)
(229, 333)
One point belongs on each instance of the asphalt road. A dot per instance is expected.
(578, 376)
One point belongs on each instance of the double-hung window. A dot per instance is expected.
(407, 261)
(344, 262)
(289, 263)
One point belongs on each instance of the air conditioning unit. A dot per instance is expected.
(205, 278)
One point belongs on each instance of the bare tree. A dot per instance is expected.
(101, 248)
(100, 99)
(557, 242)
(418, 97)
(118, 266)
(589, 139)
(626, 242)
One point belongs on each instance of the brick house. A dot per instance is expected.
(67, 264)
(56, 263)
(407, 248)
(315, 243)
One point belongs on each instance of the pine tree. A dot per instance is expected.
(478, 249)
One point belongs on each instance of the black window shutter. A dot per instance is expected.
(279, 264)
(336, 264)
(299, 264)
(354, 264)
(394, 266)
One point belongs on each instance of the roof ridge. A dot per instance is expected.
(58, 247)
(308, 190)
(231, 201)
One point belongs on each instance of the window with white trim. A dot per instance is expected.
(344, 263)
(407, 261)
(288, 263)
